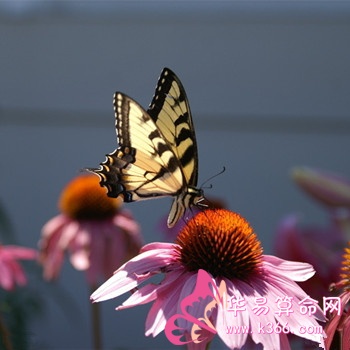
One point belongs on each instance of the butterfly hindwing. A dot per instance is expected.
(144, 165)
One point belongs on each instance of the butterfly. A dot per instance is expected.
(157, 154)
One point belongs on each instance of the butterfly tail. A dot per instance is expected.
(176, 211)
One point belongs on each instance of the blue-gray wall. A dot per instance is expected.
(268, 84)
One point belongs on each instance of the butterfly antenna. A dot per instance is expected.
(212, 177)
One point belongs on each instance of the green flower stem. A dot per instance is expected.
(96, 325)
(5, 335)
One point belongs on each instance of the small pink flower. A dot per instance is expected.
(11, 272)
(92, 228)
(216, 262)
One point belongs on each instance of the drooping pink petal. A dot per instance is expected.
(53, 225)
(17, 273)
(296, 271)
(52, 263)
(129, 275)
(20, 253)
(152, 291)
(257, 322)
(11, 272)
(230, 324)
(125, 222)
(295, 320)
(162, 309)
(157, 245)
(68, 234)
(6, 280)
(99, 251)
(79, 247)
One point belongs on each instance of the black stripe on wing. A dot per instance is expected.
(110, 173)
(171, 113)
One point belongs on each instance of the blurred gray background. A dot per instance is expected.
(268, 84)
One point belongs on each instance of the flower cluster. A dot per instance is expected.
(215, 280)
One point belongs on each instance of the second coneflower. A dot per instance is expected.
(217, 281)
(93, 228)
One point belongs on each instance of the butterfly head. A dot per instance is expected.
(195, 196)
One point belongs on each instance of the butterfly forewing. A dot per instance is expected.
(170, 111)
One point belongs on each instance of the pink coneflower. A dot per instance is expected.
(93, 228)
(11, 272)
(338, 326)
(217, 281)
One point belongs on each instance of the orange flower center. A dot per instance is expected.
(84, 198)
(345, 275)
(220, 242)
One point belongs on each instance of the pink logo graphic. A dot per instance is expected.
(201, 327)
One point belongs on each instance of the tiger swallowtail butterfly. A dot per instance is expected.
(157, 153)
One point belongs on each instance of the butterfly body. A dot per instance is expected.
(157, 153)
